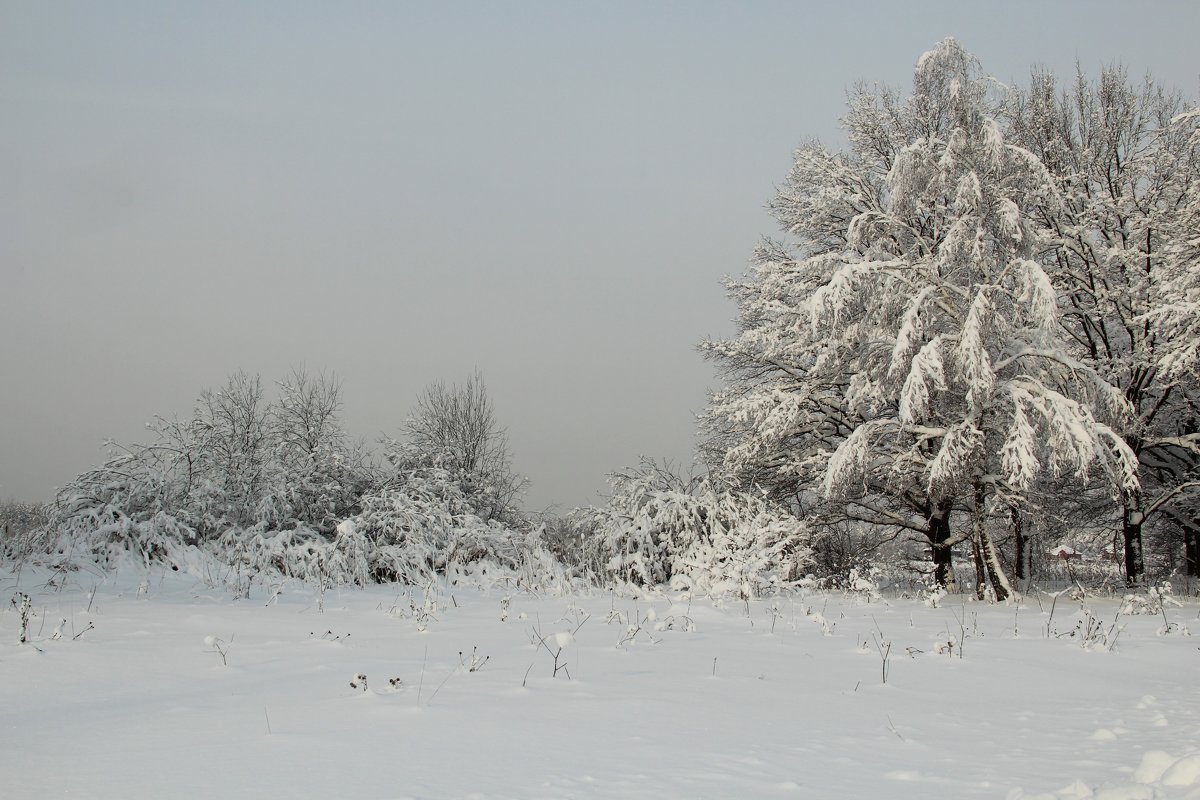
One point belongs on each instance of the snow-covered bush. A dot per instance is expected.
(1153, 601)
(233, 475)
(426, 527)
(83, 530)
(863, 586)
(658, 528)
(570, 539)
(415, 530)
(21, 528)
(239, 462)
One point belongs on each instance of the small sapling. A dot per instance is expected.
(24, 606)
(219, 646)
(885, 653)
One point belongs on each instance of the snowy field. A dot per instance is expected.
(162, 686)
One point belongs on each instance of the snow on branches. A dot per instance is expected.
(658, 527)
(912, 325)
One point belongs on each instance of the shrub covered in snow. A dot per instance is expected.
(21, 527)
(659, 528)
(414, 530)
(239, 463)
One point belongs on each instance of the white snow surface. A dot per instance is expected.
(714, 700)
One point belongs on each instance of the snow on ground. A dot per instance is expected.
(162, 686)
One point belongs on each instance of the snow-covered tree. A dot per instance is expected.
(232, 448)
(1125, 161)
(143, 500)
(318, 474)
(454, 428)
(905, 355)
(1177, 316)
(1177, 319)
(238, 463)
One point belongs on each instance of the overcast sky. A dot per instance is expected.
(402, 192)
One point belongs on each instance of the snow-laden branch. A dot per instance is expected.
(1169, 496)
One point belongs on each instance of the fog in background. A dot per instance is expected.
(403, 192)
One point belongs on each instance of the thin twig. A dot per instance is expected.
(421, 684)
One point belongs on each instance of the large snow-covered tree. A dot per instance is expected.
(1124, 158)
(1177, 318)
(904, 354)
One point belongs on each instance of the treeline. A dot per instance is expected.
(274, 483)
(273, 486)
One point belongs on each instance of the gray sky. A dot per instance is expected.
(403, 192)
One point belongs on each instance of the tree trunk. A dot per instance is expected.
(1191, 550)
(995, 570)
(986, 558)
(977, 559)
(943, 557)
(1131, 528)
(1018, 527)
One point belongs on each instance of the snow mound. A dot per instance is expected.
(1154, 764)
(1160, 776)
(1184, 772)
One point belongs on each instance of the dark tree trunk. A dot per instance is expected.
(1131, 529)
(1191, 550)
(980, 576)
(1018, 527)
(943, 557)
